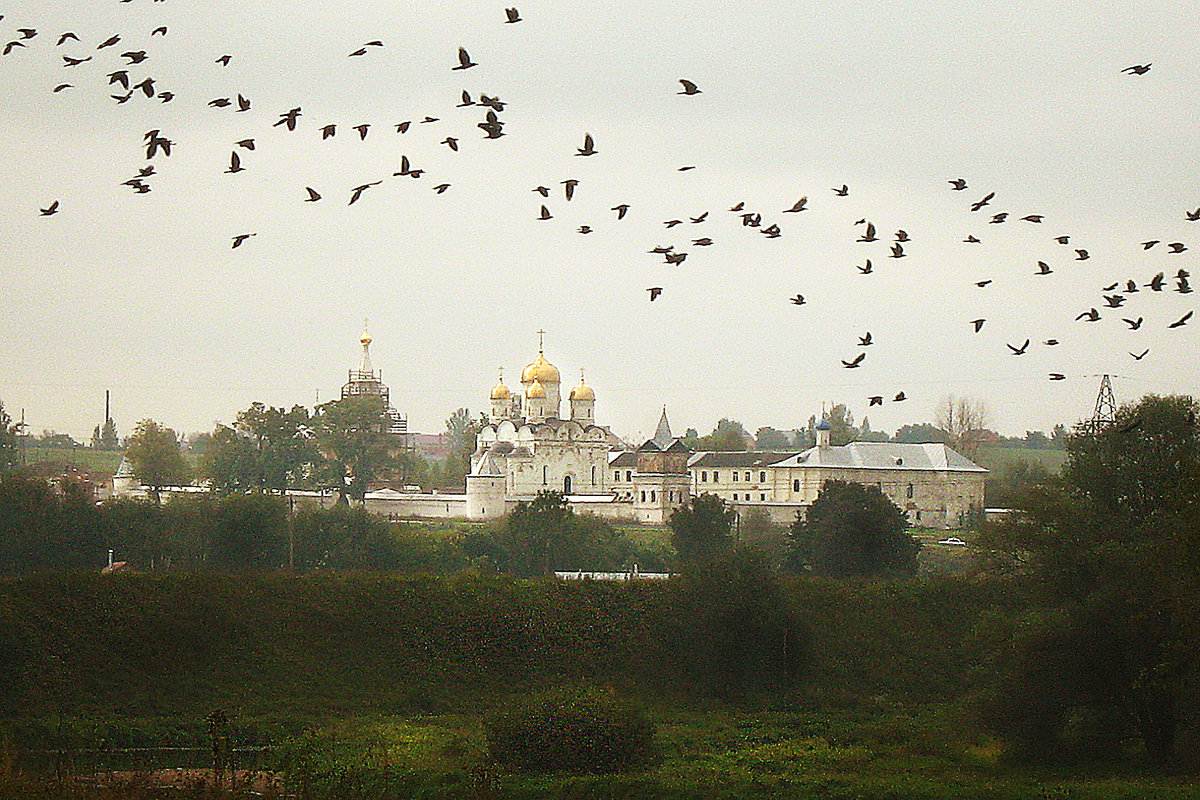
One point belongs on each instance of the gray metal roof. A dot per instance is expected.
(736, 458)
(884, 455)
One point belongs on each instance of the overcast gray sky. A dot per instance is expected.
(142, 293)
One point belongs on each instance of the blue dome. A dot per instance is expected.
(824, 425)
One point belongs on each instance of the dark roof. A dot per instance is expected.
(739, 458)
(650, 447)
(627, 458)
(678, 447)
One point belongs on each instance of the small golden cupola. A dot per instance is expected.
(583, 403)
(536, 391)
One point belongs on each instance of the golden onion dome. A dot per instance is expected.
(536, 391)
(500, 391)
(583, 392)
(540, 370)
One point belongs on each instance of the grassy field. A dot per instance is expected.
(99, 461)
(997, 458)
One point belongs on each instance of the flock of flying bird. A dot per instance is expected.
(125, 87)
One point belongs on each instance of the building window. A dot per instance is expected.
(716, 476)
(643, 495)
(616, 475)
(545, 475)
(918, 516)
(747, 477)
(593, 475)
(628, 475)
(762, 476)
(653, 496)
(795, 484)
(762, 496)
(909, 493)
(704, 476)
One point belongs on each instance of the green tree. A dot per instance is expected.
(852, 529)
(729, 435)
(770, 439)
(757, 532)
(352, 435)
(157, 461)
(268, 448)
(702, 529)
(229, 461)
(921, 433)
(1110, 555)
(249, 532)
(461, 429)
(535, 532)
(8, 440)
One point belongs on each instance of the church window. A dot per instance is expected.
(795, 484)
(567, 484)
(735, 495)
(909, 494)
(762, 476)
(762, 496)
(616, 474)
(716, 476)
(643, 495)
(593, 474)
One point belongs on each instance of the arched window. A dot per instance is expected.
(566, 484)
(747, 476)
(762, 476)
(704, 476)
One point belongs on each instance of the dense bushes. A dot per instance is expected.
(570, 730)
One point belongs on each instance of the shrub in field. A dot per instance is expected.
(579, 731)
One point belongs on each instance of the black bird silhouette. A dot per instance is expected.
(569, 187)
(166, 97)
(135, 56)
(544, 191)
(466, 100)
(1131, 287)
(243, 103)
(1133, 324)
(402, 127)
(900, 397)
(697, 220)
(74, 62)
(799, 206)
(738, 207)
(512, 15)
(688, 87)
(464, 60)
(1050, 342)
(1138, 69)
(685, 169)
(493, 103)
(62, 86)
(1179, 323)
(958, 184)
(120, 76)
(246, 143)
(671, 223)
(867, 268)
(981, 203)
(50, 209)
(842, 192)
(1146, 245)
(654, 291)
(328, 131)
(1082, 255)
(621, 209)
(1032, 218)
(313, 196)
(1114, 300)
(854, 362)
(441, 188)
(998, 218)
(902, 235)
(869, 236)
(983, 283)
(241, 237)
(865, 340)
(675, 258)
(109, 42)
(220, 102)
(588, 149)
(1091, 315)
(978, 323)
(1192, 216)
(8, 48)
(362, 51)
(545, 213)
(660, 249)
(64, 36)
(1043, 268)
(147, 87)
(450, 142)
(1018, 351)
(798, 300)
(971, 239)
(362, 130)
(1062, 239)
(358, 190)
(223, 60)
(161, 30)
(897, 251)
(235, 163)
(1057, 376)
(1141, 355)
(585, 228)
(1156, 283)
(288, 118)
(771, 232)
(1177, 247)
(875, 400)
(702, 242)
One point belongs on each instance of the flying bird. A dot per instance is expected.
(998, 218)
(699, 219)
(978, 323)
(1082, 255)
(1050, 342)
(981, 203)
(8, 48)
(1138, 69)
(223, 60)
(1057, 376)
(161, 30)
(685, 169)
(1179, 323)
(1062, 239)
(64, 36)
(135, 56)
(544, 191)
(241, 237)
(799, 206)
(1146, 245)
(464, 59)
(1192, 216)
(243, 103)
(109, 42)
(220, 102)
(246, 143)
(288, 118)
(569, 187)
(50, 209)
(313, 196)
(235, 163)
(62, 86)
(512, 15)
(1177, 247)
(900, 397)
(654, 291)
(328, 131)
(585, 228)
(441, 188)
(1032, 218)
(1141, 355)
(1133, 324)
(545, 213)
(865, 340)
(675, 258)
(588, 149)
(875, 400)
(867, 268)
(74, 62)
(902, 235)
(362, 130)
(983, 283)
(702, 242)
(1156, 283)
(854, 362)
(869, 236)
(844, 191)
(897, 251)
(798, 300)
(402, 127)
(688, 87)
(358, 190)
(621, 209)
(971, 239)
(1043, 268)
(450, 142)
(1018, 351)
(1091, 315)
(958, 184)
